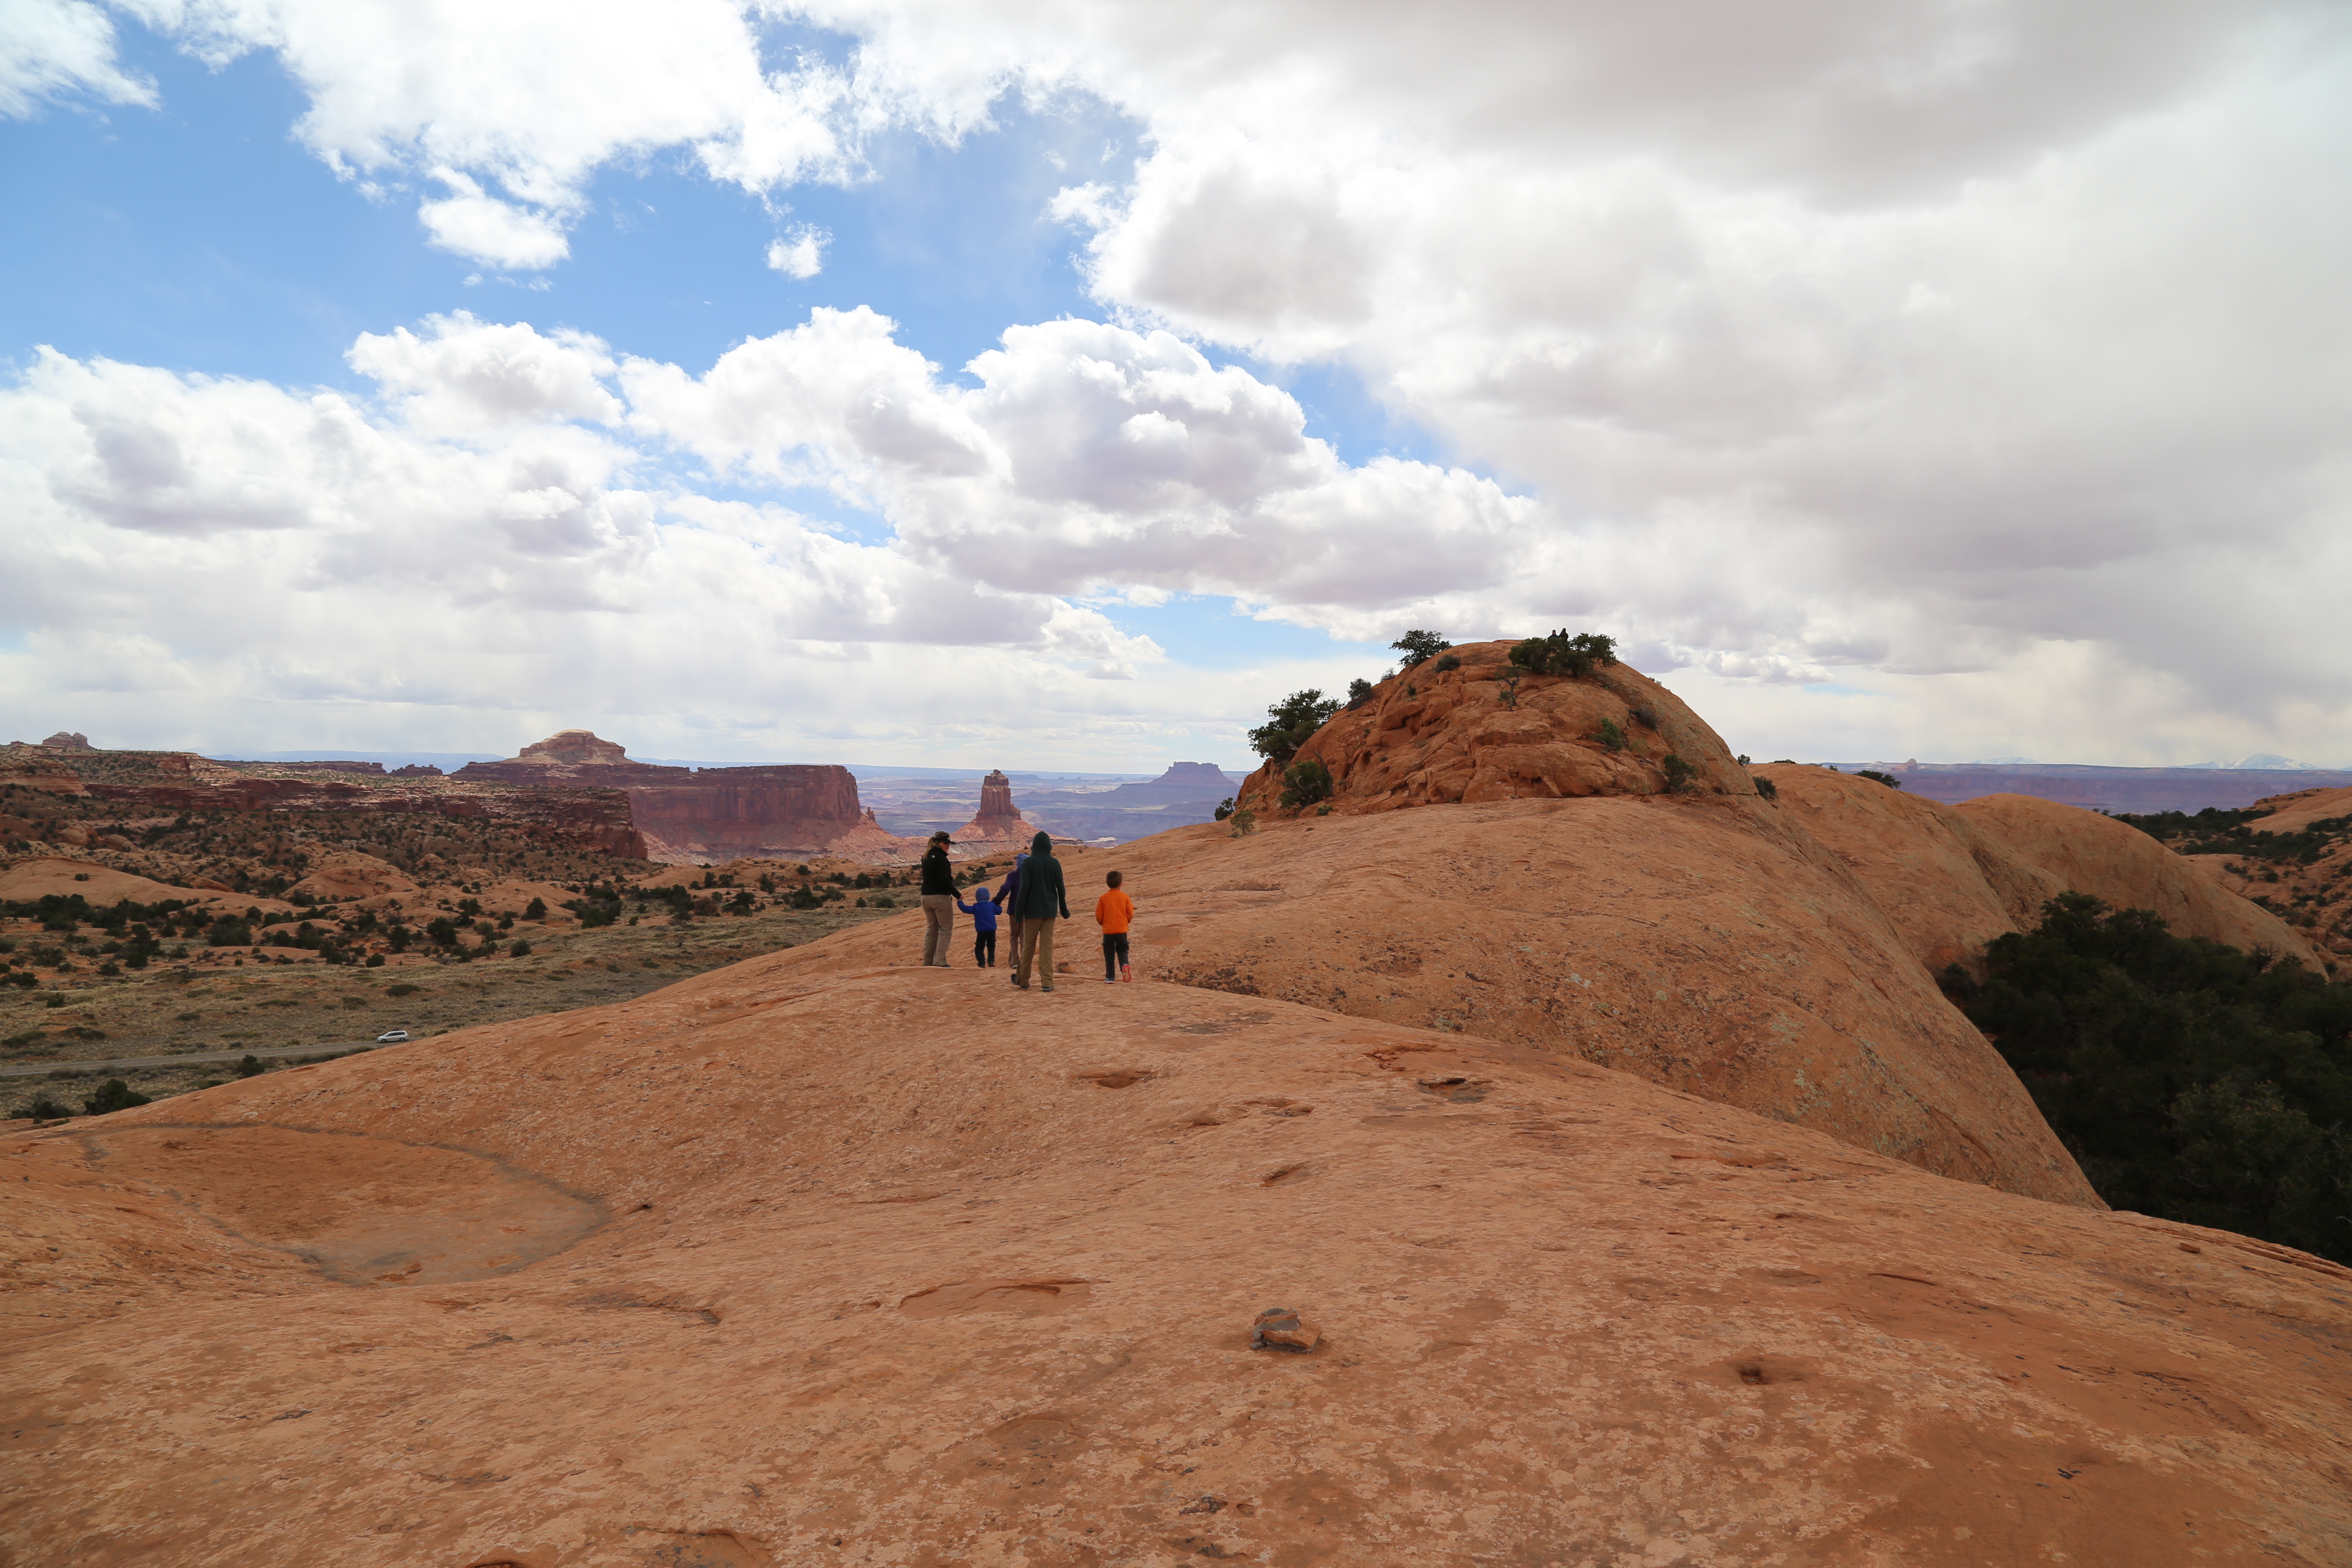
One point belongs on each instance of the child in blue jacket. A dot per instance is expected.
(983, 911)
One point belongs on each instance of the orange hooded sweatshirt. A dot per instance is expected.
(1114, 911)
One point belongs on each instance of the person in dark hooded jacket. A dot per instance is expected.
(1008, 902)
(1041, 900)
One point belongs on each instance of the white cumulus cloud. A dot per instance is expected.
(799, 253)
(485, 229)
(51, 49)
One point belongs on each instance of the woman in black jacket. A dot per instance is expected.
(938, 902)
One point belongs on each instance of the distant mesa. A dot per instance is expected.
(1182, 782)
(2226, 786)
(1186, 794)
(416, 771)
(573, 749)
(68, 741)
(578, 757)
(695, 814)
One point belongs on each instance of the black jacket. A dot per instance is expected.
(938, 877)
(1041, 896)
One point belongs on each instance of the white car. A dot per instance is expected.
(391, 1037)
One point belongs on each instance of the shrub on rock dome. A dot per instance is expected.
(1561, 654)
(1290, 724)
(1359, 691)
(1680, 774)
(1417, 646)
(1304, 783)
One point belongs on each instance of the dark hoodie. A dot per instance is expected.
(1041, 896)
(939, 876)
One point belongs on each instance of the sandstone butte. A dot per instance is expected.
(903, 1267)
(998, 822)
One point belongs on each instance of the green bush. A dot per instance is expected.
(42, 1107)
(1290, 724)
(1244, 824)
(519, 950)
(228, 931)
(1612, 736)
(1417, 646)
(1681, 777)
(2188, 1080)
(1889, 779)
(406, 988)
(1765, 786)
(1359, 691)
(113, 1095)
(1509, 684)
(1224, 808)
(1561, 654)
(250, 1065)
(1448, 662)
(1304, 783)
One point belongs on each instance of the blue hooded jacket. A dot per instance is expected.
(983, 909)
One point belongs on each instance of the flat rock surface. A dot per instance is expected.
(1706, 943)
(901, 1266)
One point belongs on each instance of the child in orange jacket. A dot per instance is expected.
(1115, 912)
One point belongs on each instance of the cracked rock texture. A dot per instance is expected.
(899, 1266)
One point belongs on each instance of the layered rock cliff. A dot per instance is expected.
(731, 812)
(707, 813)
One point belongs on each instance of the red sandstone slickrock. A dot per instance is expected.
(904, 1266)
(1529, 1162)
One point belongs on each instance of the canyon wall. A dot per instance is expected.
(726, 813)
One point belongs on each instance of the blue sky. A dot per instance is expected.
(429, 379)
(200, 237)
